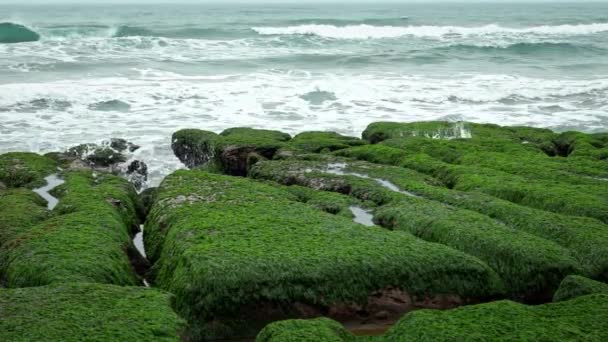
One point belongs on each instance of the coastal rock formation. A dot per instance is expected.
(88, 312)
(25, 169)
(576, 286)
(580, 319)
(469, 222)
(235, 150)
(85, 240)
(240, 253)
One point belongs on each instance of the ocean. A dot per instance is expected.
(88, 73)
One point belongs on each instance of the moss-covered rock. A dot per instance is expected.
(581, 319)
(86, 240)
(103, 155)
(583, 199)
(313, 330)
(317, 142)
(239, 253)
(329, 202)
(576, 286)
(234, 150)
(513, 163)
(576, 144)
(585, 238)
(20, 209)
(21, 169)
(490, 133)
(194, 147)
(530, 266)
(87, 312)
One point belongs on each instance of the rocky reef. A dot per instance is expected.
(469, 227)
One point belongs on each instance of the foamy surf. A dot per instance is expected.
(67, 113)
(143, 73)
(425, 31)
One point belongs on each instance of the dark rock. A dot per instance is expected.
(137, 173)
(97, 155)
(122, 145)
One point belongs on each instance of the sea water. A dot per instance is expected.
(88, 73)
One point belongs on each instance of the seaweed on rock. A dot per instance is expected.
(312, 330)
(87, 312)
(318, 142)
(530, 266)
(561, 197)
(576, 286)
(237, 252)
(235, 150)
(22, 169)
(86, 240)
(581, 319)
(20, 209)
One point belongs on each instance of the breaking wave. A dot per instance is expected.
(15, 33)
(377, 32)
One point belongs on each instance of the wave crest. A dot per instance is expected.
(376, 32)
(15, 33)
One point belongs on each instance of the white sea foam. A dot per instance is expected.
(374, 32)
(162, 102)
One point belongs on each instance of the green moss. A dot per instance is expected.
(85, 241)
(545, 194)
(577, 286)
(581, 319)
(380, 131)
(224, 244)
(99, 193)
(20, 209)
(316, 142)
(25, 169)
(585, 238)
(530, 266)
(87, 312)
(576, 144)
(252, 136)
(313, 330)
(329, 202)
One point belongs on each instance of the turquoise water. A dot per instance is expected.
(142, 72)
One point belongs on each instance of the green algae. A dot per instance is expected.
(545, 194)
(530, 266)
(86, 239)
(223, 244)
(19, 169)
(585, 238)
(577, 286)
(317, 142)
(581, 319)
(235, 150)
(20, 209)
(512, 163)
(330, 202)
(313, 330)
(87, 312)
